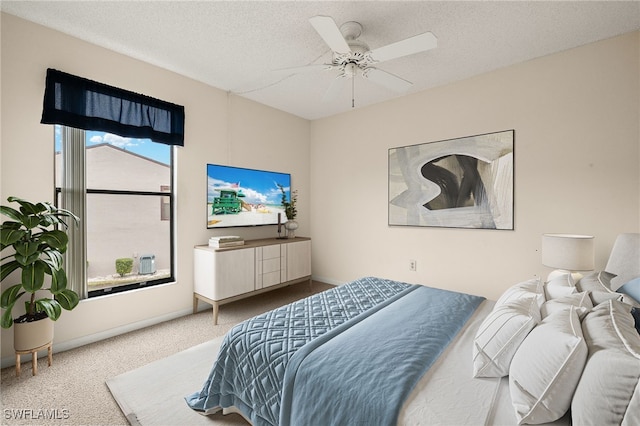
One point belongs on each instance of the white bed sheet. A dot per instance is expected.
(448, 394)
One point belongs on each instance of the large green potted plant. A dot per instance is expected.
(37, 246)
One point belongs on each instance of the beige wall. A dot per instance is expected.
(219, 129)
(577, 163)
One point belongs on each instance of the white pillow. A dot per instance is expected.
(599, 283)
(501, 333)
(545, 370)
(596, 281)
(581, 301)
(598, 297)
(560, 286)
(532, 287)
(609, 389)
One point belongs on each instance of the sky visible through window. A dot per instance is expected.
(144, 147)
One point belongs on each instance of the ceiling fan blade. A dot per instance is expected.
(334, 89)
(386, 79)
(304, 69)
(330, 33)
(409, 46)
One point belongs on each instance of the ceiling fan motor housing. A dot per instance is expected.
(349, 63)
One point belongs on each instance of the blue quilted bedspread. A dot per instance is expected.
(261, 370)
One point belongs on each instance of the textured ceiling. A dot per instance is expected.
(236, 45)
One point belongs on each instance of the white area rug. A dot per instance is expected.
(154, 394)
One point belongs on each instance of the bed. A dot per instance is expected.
(379, 351)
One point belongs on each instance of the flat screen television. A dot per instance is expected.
(245, 197)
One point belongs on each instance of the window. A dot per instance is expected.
(128, 199)
(120, 186)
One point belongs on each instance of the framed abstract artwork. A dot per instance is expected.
(456, 183)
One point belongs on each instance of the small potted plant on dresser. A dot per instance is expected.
(38, 245)
(290, 211)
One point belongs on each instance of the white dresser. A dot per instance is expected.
(223, 275)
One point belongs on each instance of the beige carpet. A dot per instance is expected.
(73, 391)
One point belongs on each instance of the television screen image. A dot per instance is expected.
(245, 197)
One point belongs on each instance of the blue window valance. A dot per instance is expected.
(85, 104)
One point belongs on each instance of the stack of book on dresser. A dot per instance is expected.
(226, 241)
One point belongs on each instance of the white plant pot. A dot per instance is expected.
(31, 335)
(291, 226)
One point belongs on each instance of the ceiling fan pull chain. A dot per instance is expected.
(353, 91)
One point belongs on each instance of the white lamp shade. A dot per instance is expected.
(567, 251)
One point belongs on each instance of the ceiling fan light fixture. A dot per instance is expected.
(350, 69)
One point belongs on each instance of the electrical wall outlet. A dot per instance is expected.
(412, 265)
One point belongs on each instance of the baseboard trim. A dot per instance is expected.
(326, 280)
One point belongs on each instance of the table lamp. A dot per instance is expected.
(567, 253)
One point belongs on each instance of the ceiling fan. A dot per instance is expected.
(352, 56)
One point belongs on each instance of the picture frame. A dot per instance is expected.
(466, 182)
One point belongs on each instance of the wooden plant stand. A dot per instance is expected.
(34, 357)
